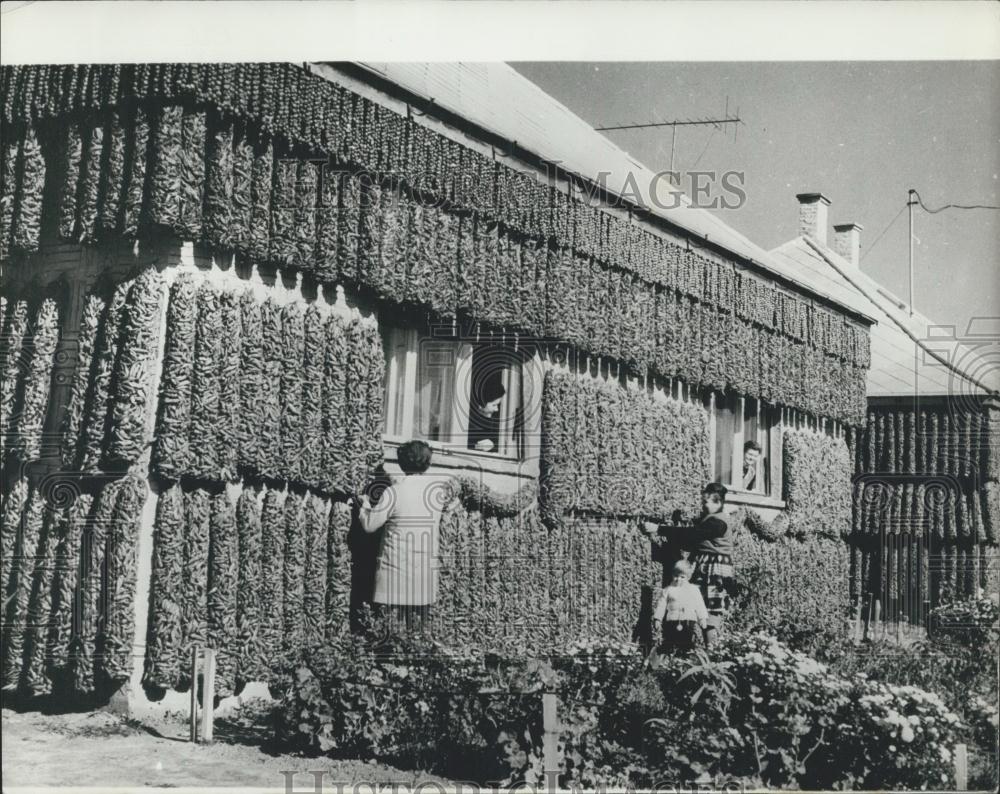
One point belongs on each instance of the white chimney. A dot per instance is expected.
(812, 216)
(847, 241)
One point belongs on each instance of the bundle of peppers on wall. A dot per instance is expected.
(239, 156)
(926, 470)
(258, 578)
(615, 452)
(68, 539)
(251, 387)
(532, 583)
(286, 401)
(72, 584)
(817, 484)
(928, 479)
(30, 333)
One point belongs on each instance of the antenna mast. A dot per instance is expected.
(717, 123)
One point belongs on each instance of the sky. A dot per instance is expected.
(860, 133)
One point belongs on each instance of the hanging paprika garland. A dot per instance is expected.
(35, 677)
(113, 174)
(83, 649)
(165, 642)
(260, 199)
(134, 194)
(248, 603)
(293, 355)
(272, 589)
(15, 331)
(99, 394)
(338, 576)
(67, 570)
(336, 455)
(205, 385)
(27, 213)
(167, 132)
(220, 196)
(228, 430)
(131, 395)
(294, 574)
(311, 439)
(36, 382)
(251, 386)
(193, 594)
(271, 446)
(315, 572)
(223, 593)
(119, 620)
(18, 582)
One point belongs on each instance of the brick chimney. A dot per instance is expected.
(812, 216)
(847, 241)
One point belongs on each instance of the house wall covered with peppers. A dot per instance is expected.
(195, 257)
(926, 505)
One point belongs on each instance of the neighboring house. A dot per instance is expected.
(231, 291)
(926, 466)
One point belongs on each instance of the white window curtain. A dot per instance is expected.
(436, 390)
(510, 412)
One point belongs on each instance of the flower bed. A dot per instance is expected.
(752, 711)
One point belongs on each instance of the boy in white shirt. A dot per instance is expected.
(681, 609)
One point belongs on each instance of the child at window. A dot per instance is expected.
(680, 610)
(751, 456)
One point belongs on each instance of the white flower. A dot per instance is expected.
(907, 734)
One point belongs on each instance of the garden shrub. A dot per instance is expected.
(958, 662)
(752, 711)
(972, 622)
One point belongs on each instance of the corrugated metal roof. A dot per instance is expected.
(900, 366)
(497, 98)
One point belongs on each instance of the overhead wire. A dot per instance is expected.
(928, 210)
(884, 231)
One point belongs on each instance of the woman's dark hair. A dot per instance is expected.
(492, 390)
(716, 489)
(752, 445)
(414, 457)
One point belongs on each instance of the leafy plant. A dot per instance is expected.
(749, 710)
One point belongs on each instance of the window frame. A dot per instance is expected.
(399, 410)
(769, 467)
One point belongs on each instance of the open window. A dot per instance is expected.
(455, 393)
(745, 443)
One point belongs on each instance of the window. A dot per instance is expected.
(458, 393)
(745, 443)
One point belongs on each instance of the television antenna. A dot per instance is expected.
(718, 124)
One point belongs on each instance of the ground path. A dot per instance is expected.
(102, 749)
